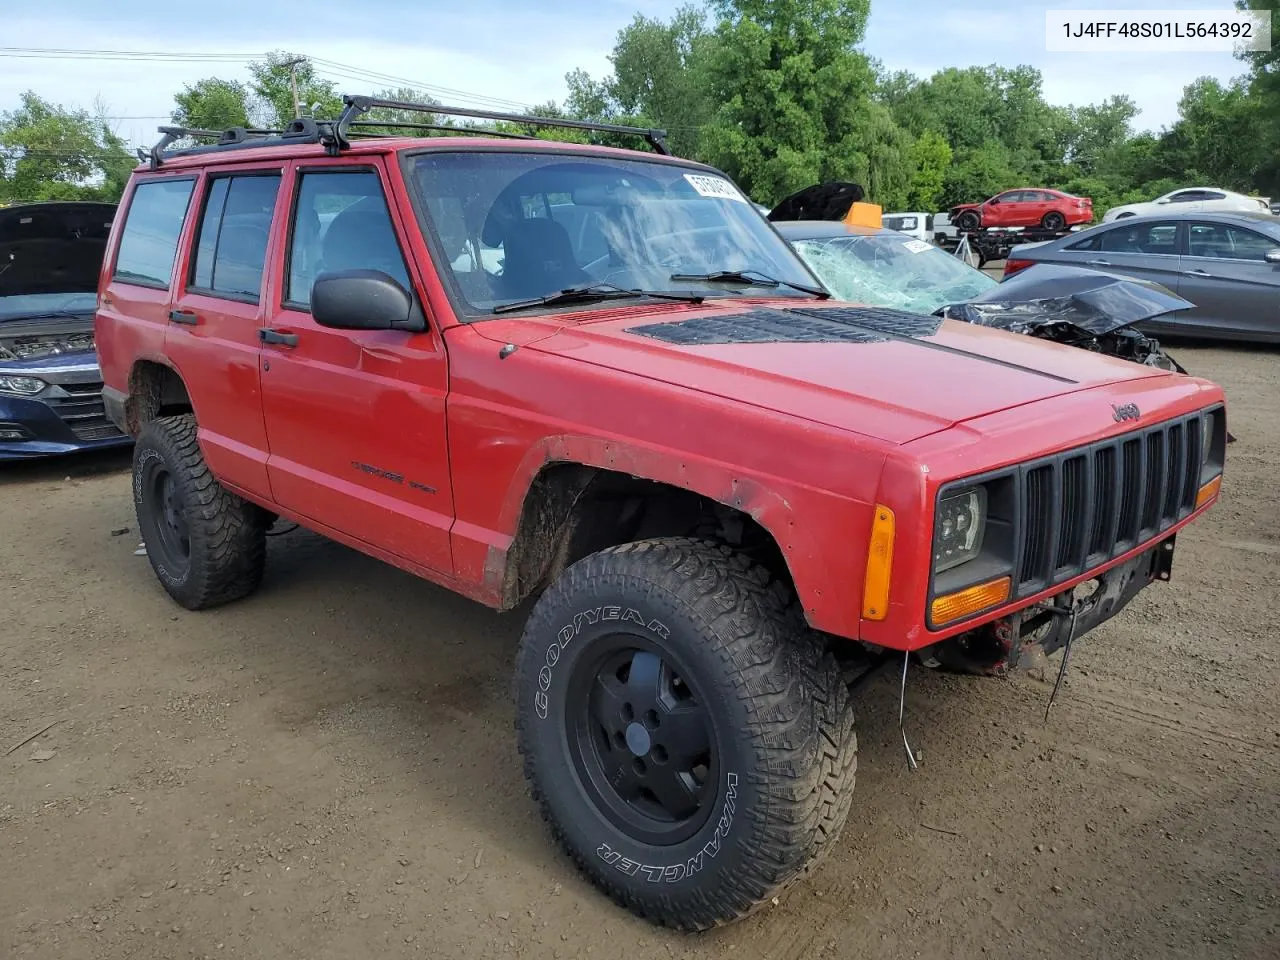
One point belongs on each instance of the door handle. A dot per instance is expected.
(1098, 263)
(267, 335)
(187, 318)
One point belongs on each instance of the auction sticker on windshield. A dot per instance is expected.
(717, 187)
(917, 246)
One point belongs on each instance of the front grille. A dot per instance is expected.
(81, 409)
(1080, 508)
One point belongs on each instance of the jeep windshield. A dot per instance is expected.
(516, 227)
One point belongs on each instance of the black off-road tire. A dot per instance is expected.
(779, 788)
(226, 548)
(1054, 221)
(968, 222)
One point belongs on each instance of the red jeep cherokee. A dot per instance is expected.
(599, 378)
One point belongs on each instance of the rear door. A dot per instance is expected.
(215, 316)
(134, 305)
(1036, 203)
(1225, 274)
(355, 418)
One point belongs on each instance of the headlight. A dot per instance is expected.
(958, 528)
(45, 345)
(22, 386)
(1207, 425)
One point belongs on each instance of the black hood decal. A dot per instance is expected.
(817, 325)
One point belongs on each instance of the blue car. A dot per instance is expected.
(50, 385)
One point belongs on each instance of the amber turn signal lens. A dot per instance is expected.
(962, 603)
(875, 589)
(1208, 491)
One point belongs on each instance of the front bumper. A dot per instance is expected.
(1005, 644)
(66, 417)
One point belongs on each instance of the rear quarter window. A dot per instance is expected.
(149, 238)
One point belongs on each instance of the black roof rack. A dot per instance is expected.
(304, 130)
(337, 135)
(355, 106)
(442, 127)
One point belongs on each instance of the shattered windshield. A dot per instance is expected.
(521, 226)
(887, 270)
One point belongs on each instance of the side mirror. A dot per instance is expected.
(994, 200)
(363, 300)
(1164, 200)
(1272, 256)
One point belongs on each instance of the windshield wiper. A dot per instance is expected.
(752, 277)
(591, 292)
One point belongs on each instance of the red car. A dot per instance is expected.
(1024, 207)
(597, 385)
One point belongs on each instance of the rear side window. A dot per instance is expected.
(341, 222)
(232, 246)
(1088, 243)
(1147, 238)
(149, 240)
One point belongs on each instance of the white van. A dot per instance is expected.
(917, 225)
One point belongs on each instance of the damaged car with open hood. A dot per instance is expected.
(50, 386)
(1081, 307)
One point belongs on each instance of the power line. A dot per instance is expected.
(341, 71)
(54, 53)
(374, 75)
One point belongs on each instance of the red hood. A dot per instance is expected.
(898, 378)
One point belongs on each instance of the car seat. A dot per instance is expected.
(361, 238)
(537, 259)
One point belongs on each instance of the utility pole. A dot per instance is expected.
(293, 83)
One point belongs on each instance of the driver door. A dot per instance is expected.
(998, 210)
(355, 419)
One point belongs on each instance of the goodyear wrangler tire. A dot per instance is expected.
(206, 545)
(689, 741)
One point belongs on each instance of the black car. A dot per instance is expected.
(50, 386)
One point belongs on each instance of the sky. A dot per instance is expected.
(507, 54)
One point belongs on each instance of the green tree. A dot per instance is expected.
(1221, 126)
(51, 152)
(1093, 131)
(212, 104)
(658, 79)
(977, 173)
(1264, 90)
(793, 99)
(929, 158)
(272, 87)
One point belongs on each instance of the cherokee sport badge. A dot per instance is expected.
(1125, 411)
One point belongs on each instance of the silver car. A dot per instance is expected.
(1227, 264)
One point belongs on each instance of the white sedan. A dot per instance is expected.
(1191, 200)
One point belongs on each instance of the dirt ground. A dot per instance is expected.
(327, 770)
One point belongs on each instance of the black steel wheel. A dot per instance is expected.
(206, 545)
(688, 740)
(968, 222)
(167, 516)
(642, 741)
